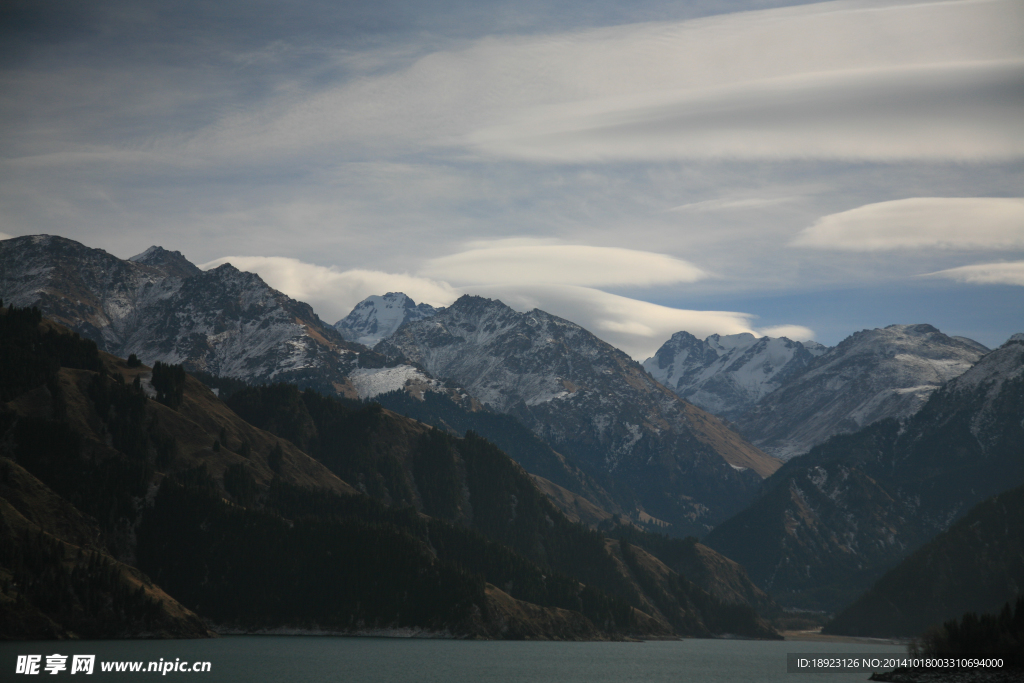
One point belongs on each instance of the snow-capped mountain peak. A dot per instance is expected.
(377, 317)
(727, 374)
(870, 375)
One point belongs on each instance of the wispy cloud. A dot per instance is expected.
(736, 204)
(846, 80)
(878, 114)
(921, 223)
(380, 137)
(1011, 273)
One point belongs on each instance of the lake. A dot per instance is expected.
(315, 659)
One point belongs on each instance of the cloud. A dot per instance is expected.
(835, 80)
(715, 205)
(921, 222)
(1011, 273)
(959, 111)
(332, 293)
(5, 236)
(516, 261)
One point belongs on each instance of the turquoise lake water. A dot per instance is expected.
(312, 659)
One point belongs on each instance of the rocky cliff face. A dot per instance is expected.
(727, 375)
(871, 375)
(593, 402)
(160, 307)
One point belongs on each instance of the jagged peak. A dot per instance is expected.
(683, 335)
(172, 262)
(476, 300)
(919, 329)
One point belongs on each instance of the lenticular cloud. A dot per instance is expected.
(513, 262)
(921, 222)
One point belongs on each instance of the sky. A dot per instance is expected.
(804, 170)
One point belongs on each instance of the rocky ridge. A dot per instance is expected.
(160, 307)
(727, 374)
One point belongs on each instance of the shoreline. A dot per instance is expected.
(816, 636)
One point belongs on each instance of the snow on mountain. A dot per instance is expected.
(1002, 365)
(871, 375)
(727, 375)
(377, 317)
(591, 401)
(161, 307)
(371, 382)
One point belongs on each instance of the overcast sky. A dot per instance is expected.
(639, 167)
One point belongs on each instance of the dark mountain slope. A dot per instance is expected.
(469, 482)
(511, 436)
(976, 565)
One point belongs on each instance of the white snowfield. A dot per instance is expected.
(370, 382)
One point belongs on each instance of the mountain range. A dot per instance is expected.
(788, 396)
(832, 521)
(671, 461)
(869, 376)
(889, 437)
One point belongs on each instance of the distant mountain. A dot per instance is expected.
(977, 565)
(832, 521)
(869, 376)
(160, 307)
(377, 317)
(593, 403)
(727, 375)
